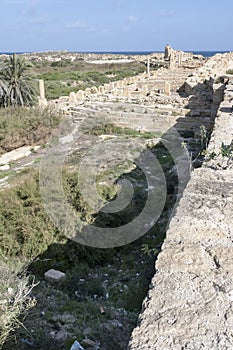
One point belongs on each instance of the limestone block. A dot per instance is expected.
(116, 85)
(88, 91)
(167, 89)
(94, 90)
(72, 97)
(41, 89)
(144, 90)
(101, 89)
(54, 276)
(80, 95)
(126, 92)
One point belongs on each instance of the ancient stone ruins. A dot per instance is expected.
(190, 301)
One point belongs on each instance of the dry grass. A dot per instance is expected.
(15, 297)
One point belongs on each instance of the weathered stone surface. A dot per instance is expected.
(55, 276)
(190, 302)
(16, 154)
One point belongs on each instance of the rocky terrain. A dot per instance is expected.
(172, 112)
(189, 305)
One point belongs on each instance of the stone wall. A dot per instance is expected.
(190, 301)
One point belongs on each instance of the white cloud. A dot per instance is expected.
(132, 19)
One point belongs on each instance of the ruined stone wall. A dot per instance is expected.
(190, 301)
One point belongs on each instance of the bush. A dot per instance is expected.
(25, 228)
(15, 297)
(20, 126)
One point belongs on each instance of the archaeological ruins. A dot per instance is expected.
(190, 300)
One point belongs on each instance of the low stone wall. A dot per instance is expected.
(190, 301)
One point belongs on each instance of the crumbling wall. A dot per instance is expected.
(190, 301)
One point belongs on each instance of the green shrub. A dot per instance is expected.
(25, 229)
(20, 126)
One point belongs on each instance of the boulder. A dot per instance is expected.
(54, 276)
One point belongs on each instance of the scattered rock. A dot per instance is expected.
(102, 311)
(76, 346)
(55, 276)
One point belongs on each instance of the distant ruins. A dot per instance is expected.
(176, 57)
(190, 301)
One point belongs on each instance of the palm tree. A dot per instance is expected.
(19, 88)
(3, 93)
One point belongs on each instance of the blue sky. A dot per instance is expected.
(115, 25)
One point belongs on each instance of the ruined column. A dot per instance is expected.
(42, 99)
(126, 92)
(101, 89)
(167, 89)
(148, 67)
(172, 60)
(179, 57)
(145, 90)
(80, 95)
(72, 97)
(167, 52)
(41, 88)
(94, 90)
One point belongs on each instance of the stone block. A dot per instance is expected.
(101, 89)
(94, 90)
(80, 95)
(55, 276)
(72, 97)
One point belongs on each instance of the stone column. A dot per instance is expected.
(126, 92)
(101, 89)
(72, 97)
(145, 90)
(148, 67)
(167, 52)
(179, 58)
(80, 95)
(41, 88)
(167, 89)
(42, 100)
(172, 60)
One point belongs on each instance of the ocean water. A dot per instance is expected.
(129, 53)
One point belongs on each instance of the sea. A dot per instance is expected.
(132, 53)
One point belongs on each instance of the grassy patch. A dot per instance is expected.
(66, 78)
(112, 129)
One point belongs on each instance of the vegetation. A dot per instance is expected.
(20, 126)
(15, 296)
(64, 76)
(26, 232)
(116, 279)
(59, 83)
(111, 129)
(16, 86)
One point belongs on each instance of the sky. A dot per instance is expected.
(115, 25)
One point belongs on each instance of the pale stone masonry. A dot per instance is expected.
(190, 301)
(42, 100)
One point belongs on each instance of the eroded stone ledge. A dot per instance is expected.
(190, 301)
